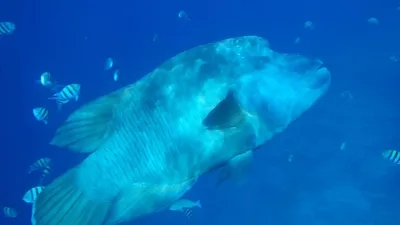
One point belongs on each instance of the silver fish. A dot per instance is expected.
(46, 81)
(109, 64)
(206, 108)
(185, 206)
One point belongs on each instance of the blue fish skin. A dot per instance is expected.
(149, 142)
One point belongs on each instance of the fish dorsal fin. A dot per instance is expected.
(227, 114)
(89, 127)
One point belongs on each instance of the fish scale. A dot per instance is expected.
(142, 144)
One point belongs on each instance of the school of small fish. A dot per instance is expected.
(63, 94)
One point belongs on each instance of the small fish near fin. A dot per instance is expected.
(188, 212)
(226, 114)
(236, 168)
(63, 203)
(129, 202)
(89, 127)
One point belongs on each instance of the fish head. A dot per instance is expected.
(281, 88)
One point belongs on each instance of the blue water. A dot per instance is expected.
(321, 186)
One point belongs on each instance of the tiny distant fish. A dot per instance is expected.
(155, 37)
(343, 146)
(347, 95)
(183, 15)
(39, 164)
(116, 75)
(373, 20)
(392, 155)
(9, 212)
(290, 159)
(32, 194)
(308, 25)
(45, 81)
(109, 64)
(66, 94)
(185, 206)
(41, 114)
(297, 40)
(6, 28)
(46, 171)
(395, 58)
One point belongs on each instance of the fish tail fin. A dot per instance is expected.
(198, 203)
(63, 203)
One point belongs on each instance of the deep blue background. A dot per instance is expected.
(322, 185)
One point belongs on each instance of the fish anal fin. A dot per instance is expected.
(236, 168)
(90, 126)
(63, 203)
(227, 114)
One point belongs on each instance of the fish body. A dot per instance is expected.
(32, 194)
(67, 94)
(6, 28)
(41, 114)
(392, 155)
(39, 164)
(206, 108)
(45, 81)
(185, 206)
(109, 64)
(10, 212)
(116, 75)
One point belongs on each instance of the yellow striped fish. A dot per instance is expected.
(208, 107)
(39, 164)
(41, 114)
(185, 206)
(66, 94)
(10, 212)
(31, 195)
(6, 28)
(392, 155)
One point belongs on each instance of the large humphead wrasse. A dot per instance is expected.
(206, 108)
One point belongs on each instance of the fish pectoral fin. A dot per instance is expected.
(63, 203)
(227, 114)
(236, 168)
(89, 127)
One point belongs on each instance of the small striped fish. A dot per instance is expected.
(39, 164)
(46, 171)
(68, 93)
(392, 155)
(185, 206)
(31, 195)
(6, 28)
(41, 114)
(9, 212)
